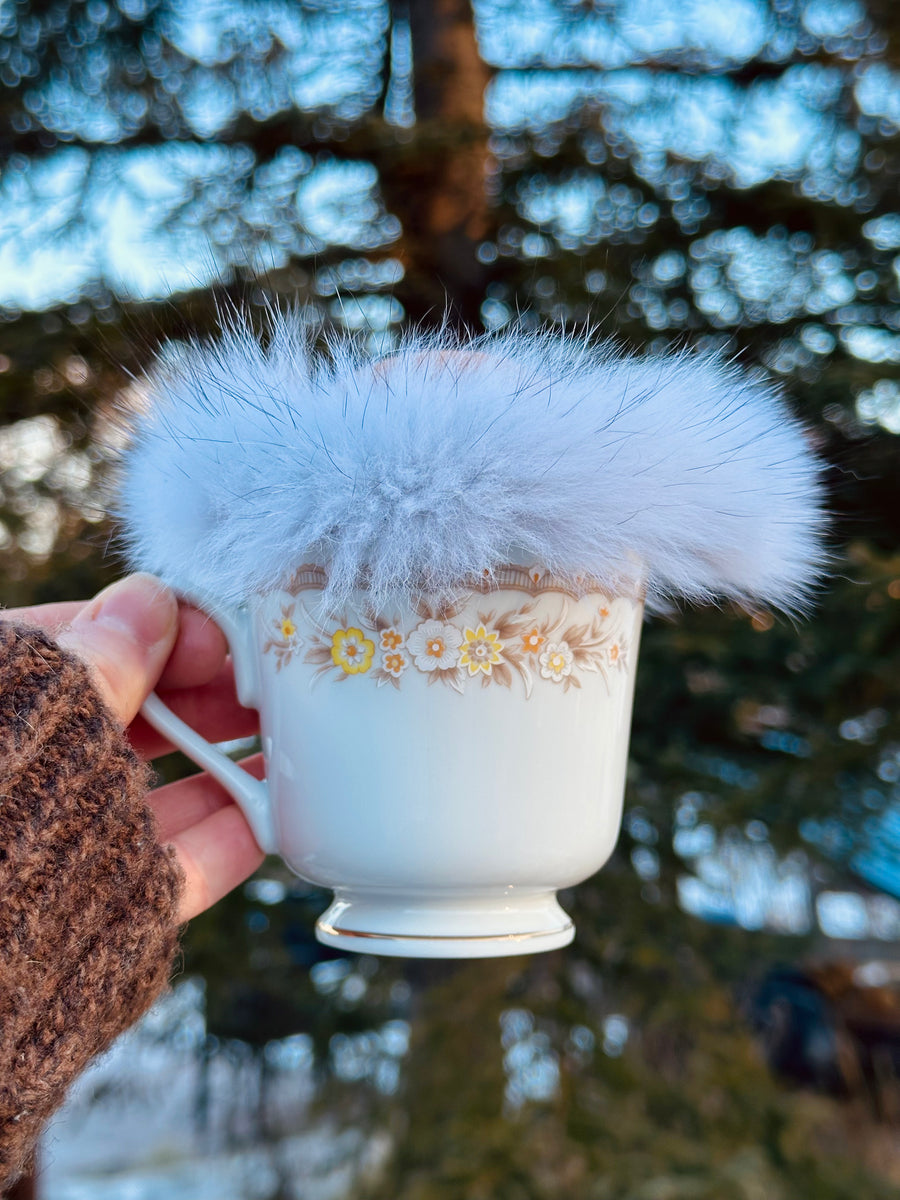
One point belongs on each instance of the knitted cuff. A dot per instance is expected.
(88, 896)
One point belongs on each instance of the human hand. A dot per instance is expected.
(135, 637)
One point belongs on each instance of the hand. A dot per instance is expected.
(135, 637)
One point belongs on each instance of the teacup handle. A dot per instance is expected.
(251, 795)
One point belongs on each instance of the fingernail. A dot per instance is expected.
(140, 605)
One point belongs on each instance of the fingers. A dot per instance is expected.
(114, 634)
(210, 836)
(211, 709)
(199, 652)
(125, 635)
(49, 617)
(133, 636)
(216, 855)
(179, 806)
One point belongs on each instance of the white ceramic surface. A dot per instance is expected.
(444, 770)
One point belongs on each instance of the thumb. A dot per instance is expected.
(125, 635)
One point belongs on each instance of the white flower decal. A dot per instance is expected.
(617, 655)
(434, 645)
(556, 661)
(285, 640)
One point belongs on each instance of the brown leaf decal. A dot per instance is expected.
(581, 654)
(503, 674)
(318, 654)
(574, 635)
(508, 626)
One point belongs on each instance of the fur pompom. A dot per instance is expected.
(412, 472)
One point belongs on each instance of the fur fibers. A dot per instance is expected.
(407, 473)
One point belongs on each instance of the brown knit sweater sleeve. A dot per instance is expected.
(88, 897)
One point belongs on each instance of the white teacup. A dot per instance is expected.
(445, 769)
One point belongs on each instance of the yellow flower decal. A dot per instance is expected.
(480, 650)
(351, 651)
(288, 628)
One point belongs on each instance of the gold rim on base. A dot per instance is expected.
(335, 931)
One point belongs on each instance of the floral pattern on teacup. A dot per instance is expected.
(556, 662)
(550, 650)
(352, 651)
(532, 641)
(480, 651)
(435, 645)
(617, 655)
(287, 641)
(394, 663)
(391, 639)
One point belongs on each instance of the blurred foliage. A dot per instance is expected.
(718, 175)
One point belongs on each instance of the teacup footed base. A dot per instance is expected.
(441, 925)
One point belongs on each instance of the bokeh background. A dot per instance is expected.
(662, 172)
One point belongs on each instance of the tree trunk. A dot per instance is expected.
(437, 186)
